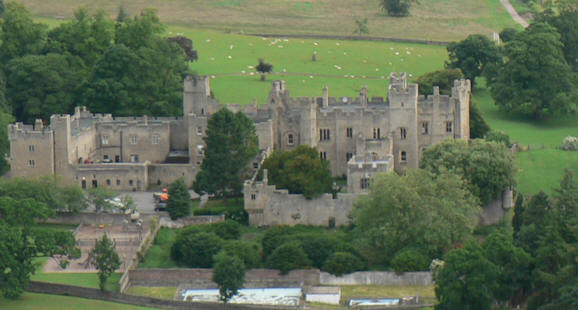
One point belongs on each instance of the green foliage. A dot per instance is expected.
(340, 263)
(472, 55)
(227, 230)
(41, 85)
(467, 280)
(22, 212)
(361, 26)
(263, 68)
(487, 167)
(567, 195)
(301, 171)
(179, 204)
(50, 242)
(287, 257)
(231, 143)
(566, 22)
(104, 257)
(498, 137)
(247, 252)
(187, 45)
(478, 125)
(521, 86)
(99, 197)
(508, 34)
(195, 249)
(444, 79)
(416, 209)
(19, 34)
(229, 274)
(410, 259)
(16, 252)
(396, 8)
(2, 8)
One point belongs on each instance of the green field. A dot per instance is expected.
(30, 301)
(430, 19)
(161, 292)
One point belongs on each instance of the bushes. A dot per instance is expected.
(570, 144)
(410, 259)
(340, 263)
(196, 249)
(247, 252)
(227, 230)
(287, 257)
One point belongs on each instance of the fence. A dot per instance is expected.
(377, 278)
(362, 38)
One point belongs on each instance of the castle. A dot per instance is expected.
(358, 136)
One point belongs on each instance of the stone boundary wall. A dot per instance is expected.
(355, 38)
(377, 278)
(202, 278)
(92, 293)
(165, 221)
(91, 218)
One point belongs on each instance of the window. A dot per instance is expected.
(324, 134)
(130, 182)
(117, 182)
(425, 128)
(31, 148)
(403, 156)
(199, 130)
(348, 156)
(349, 132)
(448, 127)
(253, 196)
(376, 133)
(255, 165)
(155, 139)
(323, 155)
(132, 139)
(108, 182)
(104, 139)
(133, 158)
(290, 139)
(31, 163)
(403, 133)
(200, 149)
(364, 183)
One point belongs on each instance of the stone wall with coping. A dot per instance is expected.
(377, 278)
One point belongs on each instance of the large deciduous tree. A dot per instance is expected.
(416, 209)
(472, 55)
(487, 167)
(231, 143)
(104, 257)
(444, 79)
(196, 249)
(396, 8)
(535, 79)
(19, 34)
(229, 274)
(566, 22)
(301, 171)
(16, 253)
(263, 68)
(179, 204)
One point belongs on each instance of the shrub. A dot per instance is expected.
(196, 249)
(227, 230)
(499, 137)
(340, 263)
(570, 144)
(247, 252)
(274, 237)
(237, 214)
(410, 259)
(287, 257)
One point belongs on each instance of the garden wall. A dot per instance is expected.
(202, 278)
(165, 221)
(91, 218)
(355, 38)
(91, 293)
(377, 278)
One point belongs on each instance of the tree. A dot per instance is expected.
(196, 249)
(227, 230)
(396, 8)
(122, 16)
(179, 203)
(444, 79)
(416, 209)
(104, 257)
(5, 119)
(478, 125)
(498, 137)
(467, 280)
(16, 253)
(42, 85)
(2, 8)
(340, 263)
(301, 171)
(229, 274)
(472, 55)
(287, 257)
(263, 68)
(508, 34)
(567, 195)
(566, 22)
(22, 212)
(410, 259)
(361, 26)
(187, 45)
(487, 167)
(231, 143)
(100, 198)
(247, 252)
(19, 34)
(535, 80)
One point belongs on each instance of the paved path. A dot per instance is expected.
(514, 14)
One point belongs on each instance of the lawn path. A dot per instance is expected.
(514, 14)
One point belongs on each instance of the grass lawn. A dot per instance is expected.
(430, 19)
(159, 255)
(31, 301)
(167, 292)
(374, 291)
(542, 167)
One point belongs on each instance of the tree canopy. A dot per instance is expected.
(472, 55)
(179, 204)
(104, 257)
(229, 274)
(535, 80)
(416, 209)
(231, 143)
(487, 167)
(301, 171)
(444, 79)
(263, 68)
(396, 8)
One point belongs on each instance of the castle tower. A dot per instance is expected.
(196, 94)
(461, 95)
(60, 124)
(402, 99)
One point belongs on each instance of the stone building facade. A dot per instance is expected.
(358, 136)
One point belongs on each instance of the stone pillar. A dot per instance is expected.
(325, 96)
(265, 177)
